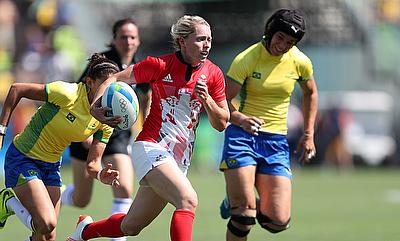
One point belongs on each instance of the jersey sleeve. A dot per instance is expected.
(217, 89)
(148, 70)
(239, 69)
(61, 93)
(104, 133)
(305, 67)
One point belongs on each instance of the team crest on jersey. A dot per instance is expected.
(71, 117)
(168, 78)
(256, 75)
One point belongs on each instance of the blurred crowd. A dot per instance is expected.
(37, 44)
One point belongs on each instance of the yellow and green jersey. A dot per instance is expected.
(64, 118)
(268, 82)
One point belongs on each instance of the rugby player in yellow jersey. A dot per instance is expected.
(256, 152)
(33, 160)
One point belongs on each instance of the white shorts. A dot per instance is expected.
(147, 155)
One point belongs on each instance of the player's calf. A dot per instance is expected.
(271, 225)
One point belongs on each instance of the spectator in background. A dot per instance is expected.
(256, 151)
(33, 160)
(330, 138)
(183, 84)
(122, 51)
(8, 18)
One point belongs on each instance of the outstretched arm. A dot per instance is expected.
(15, 94)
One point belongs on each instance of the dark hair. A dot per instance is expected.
(290, 21)
(100, 67)
(118, 24)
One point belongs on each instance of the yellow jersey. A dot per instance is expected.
(64, 118)
(268, 82)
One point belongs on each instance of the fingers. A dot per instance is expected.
(307, 157)
(201, 89)
(254, 129)
(252, 125)
(108, 167)
(111, 176)
(115, 183)
(310, 155)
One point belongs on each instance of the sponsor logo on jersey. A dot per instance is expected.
(203, 78)
(167, 78)
(71, 117)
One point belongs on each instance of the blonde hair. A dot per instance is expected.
(183, 27)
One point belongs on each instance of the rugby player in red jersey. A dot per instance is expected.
(183, 84)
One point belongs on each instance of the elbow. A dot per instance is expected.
(220, 127)
(221, 124)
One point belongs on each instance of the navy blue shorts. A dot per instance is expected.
(20, 169)
(269, 152)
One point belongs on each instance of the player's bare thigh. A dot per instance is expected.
(43, 205)
(275, 196)
(240, 187)
(170, 183)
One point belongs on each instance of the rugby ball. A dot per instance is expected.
(122, 100)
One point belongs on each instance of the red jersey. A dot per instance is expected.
(175, 108)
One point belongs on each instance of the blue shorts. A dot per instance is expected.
(269, 152)
(20, 169)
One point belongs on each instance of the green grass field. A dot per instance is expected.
(359, 205)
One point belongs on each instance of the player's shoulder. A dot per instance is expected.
(64, 86)
(65, 92)
(251, 52)
(298, 55)
(212, 67)
(162, 60)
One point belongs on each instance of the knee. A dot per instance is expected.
(81, 202)
(45, 227)
(188, 201)
(273, 226)
(240, 224)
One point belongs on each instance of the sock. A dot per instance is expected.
(110, 227)
(22, 213)
(67, 195)
(120, 205)
(181, 225)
